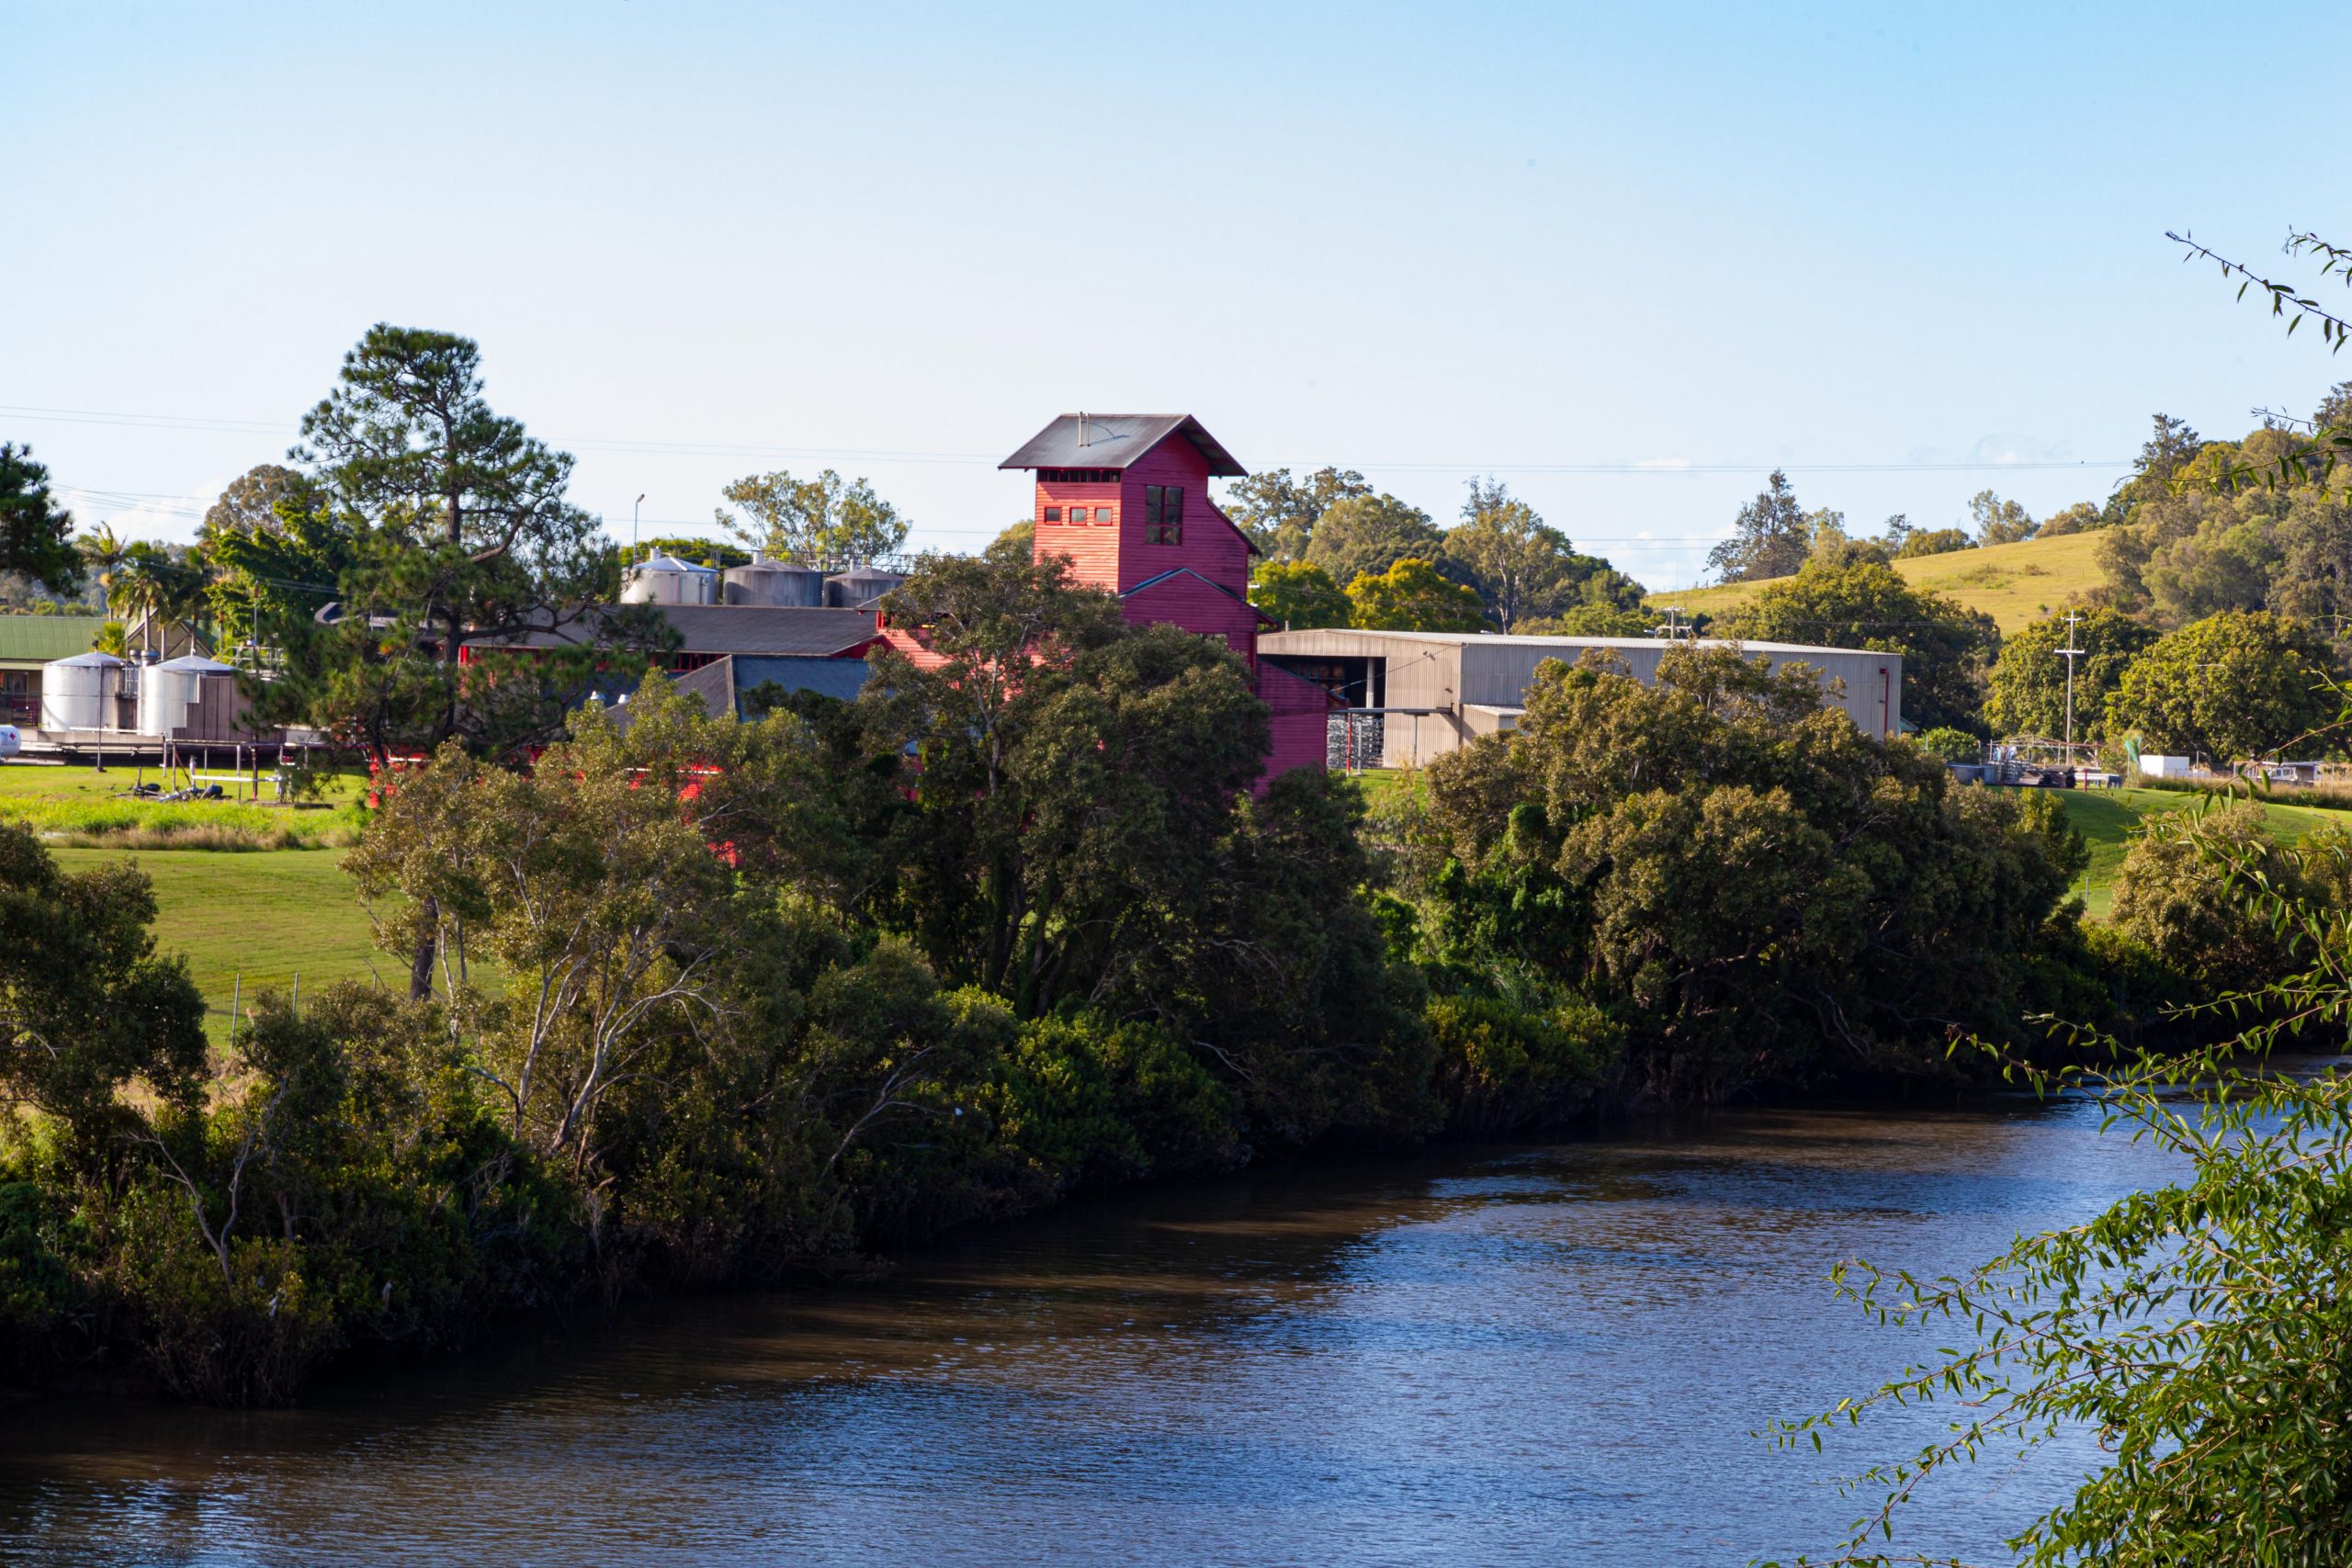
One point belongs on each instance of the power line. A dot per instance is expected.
(694, 448)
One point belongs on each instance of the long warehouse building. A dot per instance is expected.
(1403, 699)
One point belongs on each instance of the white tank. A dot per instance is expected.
(10, 742)
(666, 579)
(79, 693)
(169, 690)
(775, 583)
(858, 588)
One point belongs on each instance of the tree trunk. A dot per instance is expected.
(428, 947)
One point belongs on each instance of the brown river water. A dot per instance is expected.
(1538, 1354)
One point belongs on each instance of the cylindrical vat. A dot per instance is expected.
(79, 693)
(858, 588)
(775, 583)
(666, 579)
(167, 691)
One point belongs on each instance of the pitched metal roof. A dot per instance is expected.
(843, 678)
(785, 629)
(1157, 579)
(41, 639)
(1116, 441)
(769, 628)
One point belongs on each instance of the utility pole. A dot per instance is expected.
(2071, 653)
(632, 528)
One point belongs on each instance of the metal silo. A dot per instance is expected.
(79, 693)
(170, 689)
(858, 588)
(775, 583)
(666, 579)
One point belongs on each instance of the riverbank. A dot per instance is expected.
(1515, 1354)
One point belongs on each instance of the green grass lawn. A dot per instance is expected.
(2016, 584)
(2108, 819)
(78, 804)
(263, 917)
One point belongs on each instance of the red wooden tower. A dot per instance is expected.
(1125, 498)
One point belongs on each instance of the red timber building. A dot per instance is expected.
(1124, 498)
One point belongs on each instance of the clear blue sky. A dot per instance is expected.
(696, 240)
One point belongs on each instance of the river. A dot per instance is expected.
(1548, 1354)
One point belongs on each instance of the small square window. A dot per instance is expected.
(1078, 515)
(1103, 515)
(1053, 514)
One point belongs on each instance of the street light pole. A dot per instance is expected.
(632, 528)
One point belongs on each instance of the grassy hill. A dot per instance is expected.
(2016, 584)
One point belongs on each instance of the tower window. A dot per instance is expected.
(1103, 515)
(1078, 515)
(1163, 514)
(1053, 514)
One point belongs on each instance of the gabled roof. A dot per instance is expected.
(1156, 579)
(40, 640)
(1117, 441)
(778, 629)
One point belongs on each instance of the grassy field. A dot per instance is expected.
(2106, 819)
(2016, 584)
(265, 916)
(81, 805)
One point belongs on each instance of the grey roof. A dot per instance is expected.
(768, 628)
(729, 628)
(843, 678)
(1116, 441)
(1272, 641)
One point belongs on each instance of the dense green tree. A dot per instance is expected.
(1413, 596)
(1594, 620)
(2080, 518)
(1279, 512)
(1946, 648)
(251, 501)
(1019, 537)
(1361, 533)
(1298, 595)
(689, 547)
(2027, 694)
(2000, 522)
(1081, 827)
(86, 1007)
(2239, 684)
(1933, 542)
(826, 522)
(34, 530)
(1771, 537)
(1695, 857)
(1521, 565)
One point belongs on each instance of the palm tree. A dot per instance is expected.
(143, 584)
(104, 551)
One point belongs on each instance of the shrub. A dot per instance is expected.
(1503, 1067)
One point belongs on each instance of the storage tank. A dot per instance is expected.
(79, 693)
(860, 587)
(169, 690)
(775, 583)
(666, 579)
